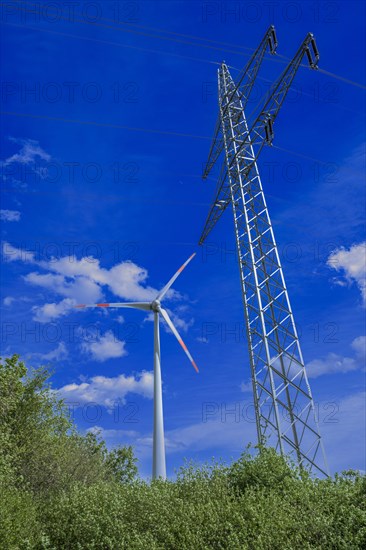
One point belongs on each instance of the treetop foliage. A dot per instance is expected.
(64, 490)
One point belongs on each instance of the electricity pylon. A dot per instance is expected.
(284, 407)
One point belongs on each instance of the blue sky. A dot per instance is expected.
(101, 187)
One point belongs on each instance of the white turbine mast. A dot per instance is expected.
(159, 467)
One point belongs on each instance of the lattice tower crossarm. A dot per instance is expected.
(244, 87)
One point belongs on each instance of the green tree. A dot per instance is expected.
(122, 464)
(40, 446)
(61, 490)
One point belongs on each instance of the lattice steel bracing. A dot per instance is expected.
(285, 413)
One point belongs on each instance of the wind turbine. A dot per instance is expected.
(159, 468)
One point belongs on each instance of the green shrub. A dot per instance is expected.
(63, 490)
(19, 523)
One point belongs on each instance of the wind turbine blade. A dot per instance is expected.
(178, 337)
(169, 284)
(137, 305)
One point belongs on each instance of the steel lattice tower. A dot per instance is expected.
(285, 412)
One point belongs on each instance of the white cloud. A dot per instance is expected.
(331, 364)
(70, 266)
(106, 346)
(180, 324)
(126, 279)
(334, 363)
(79, 289)
(11, 254)
(9, 215)
(115, 435)
(359, 346)
(352, 263)
(107, 391)
(84, 280)
(149, 317)
(56, 354)
(48, 312)
(30, 151)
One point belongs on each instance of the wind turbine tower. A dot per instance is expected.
(285, 412)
